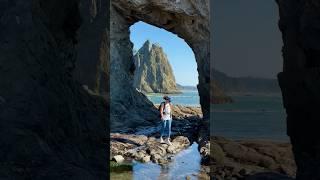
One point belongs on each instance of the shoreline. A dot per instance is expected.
(250, 157)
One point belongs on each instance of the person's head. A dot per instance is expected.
(167, 98)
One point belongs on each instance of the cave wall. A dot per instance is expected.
(188, 19)
(300, 81)
(50, 126)
(91, 66)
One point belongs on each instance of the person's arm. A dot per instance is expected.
(171, 106)
(161, 110)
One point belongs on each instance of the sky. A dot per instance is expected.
(180, 55)
(247, 41)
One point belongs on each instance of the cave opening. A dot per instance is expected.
(163, 64)
(131, 111)
(129, 106)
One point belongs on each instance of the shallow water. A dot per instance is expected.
(186, 163)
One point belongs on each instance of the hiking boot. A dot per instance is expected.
(161, 140)
(168, 142)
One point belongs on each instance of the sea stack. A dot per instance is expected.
(218, 96)
(153, 72)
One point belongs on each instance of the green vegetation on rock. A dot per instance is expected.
(121, 171)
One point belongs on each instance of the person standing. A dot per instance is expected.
(166, 118)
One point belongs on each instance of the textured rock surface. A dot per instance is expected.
(92, 63)
(218, 96)
(50, 126)
(299, 81)
(148, 148)
(241, 159)
(153, 72)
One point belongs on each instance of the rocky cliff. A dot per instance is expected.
(153, 72)
(218, 96)
(246, 84)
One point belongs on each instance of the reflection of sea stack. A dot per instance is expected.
(217, 94)
(153, 73)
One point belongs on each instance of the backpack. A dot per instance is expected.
(162, 103)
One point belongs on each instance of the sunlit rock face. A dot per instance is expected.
(153, 72)
(299, 81)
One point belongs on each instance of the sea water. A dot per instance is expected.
(250, 117)
(186, 98)
(185, 163)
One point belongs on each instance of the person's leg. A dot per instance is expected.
(166, 128)
(169, 127)
(169, 131)
(163, 126)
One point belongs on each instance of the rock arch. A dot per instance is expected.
(188, 19)
(50, 124)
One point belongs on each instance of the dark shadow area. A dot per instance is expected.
(248, 133)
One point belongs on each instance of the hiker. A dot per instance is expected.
(166, 118)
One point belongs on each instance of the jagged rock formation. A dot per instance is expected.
(217, 94)
(153, 72)
(245, 84)
(145, 149)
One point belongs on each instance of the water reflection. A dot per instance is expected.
(186, 163)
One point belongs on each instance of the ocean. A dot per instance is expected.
(250, 117)
(186, 98)
(254, 116)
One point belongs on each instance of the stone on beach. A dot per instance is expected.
(118, 158)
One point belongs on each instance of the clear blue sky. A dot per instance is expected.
(180, 55)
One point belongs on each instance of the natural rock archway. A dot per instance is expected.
(188, 19)
(51, 127)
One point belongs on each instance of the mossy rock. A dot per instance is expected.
(120, 167)
(216, 153)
